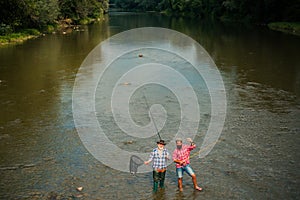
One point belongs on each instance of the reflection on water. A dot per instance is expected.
(257, 157)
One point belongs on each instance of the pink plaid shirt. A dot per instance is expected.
(183, 154)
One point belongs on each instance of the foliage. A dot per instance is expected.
(262, 11)
(5, 29)
(20, 14)
(19, 36)
(44, 14)
(289, 27)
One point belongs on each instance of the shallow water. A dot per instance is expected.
(256, 157)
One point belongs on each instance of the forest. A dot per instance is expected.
(47, 15)
(261, 11)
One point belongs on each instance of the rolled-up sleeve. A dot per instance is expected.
(151, 156)
(191, 147)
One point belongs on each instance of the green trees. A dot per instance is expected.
(261, 11)
(80, 9)
(16, 14)
(28, 13)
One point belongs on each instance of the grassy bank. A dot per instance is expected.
(7, 36)
(18, 37)
(287, 27)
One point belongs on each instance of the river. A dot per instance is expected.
(257, 154)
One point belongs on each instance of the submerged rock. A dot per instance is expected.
(129, 142)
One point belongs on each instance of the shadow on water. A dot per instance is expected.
(257, 157)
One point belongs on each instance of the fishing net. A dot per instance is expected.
(134, 163)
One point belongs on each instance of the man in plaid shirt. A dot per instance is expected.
(159, 156)
(181, 157)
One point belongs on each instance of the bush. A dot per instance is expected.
(19, 37)
(5, 29)
(84, 21)
(31, 32)
(289, 27)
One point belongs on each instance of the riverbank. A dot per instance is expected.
(63, 26)
(19, 37)
(286, 27)
(67, 25)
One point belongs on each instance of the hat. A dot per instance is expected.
(161, 142)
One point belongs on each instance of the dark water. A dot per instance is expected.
(257, 156)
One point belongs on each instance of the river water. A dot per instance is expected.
(256, 157)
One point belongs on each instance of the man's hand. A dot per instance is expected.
(182, 162)
(189, 140)
(147, 162)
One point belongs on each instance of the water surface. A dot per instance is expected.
(257, 156)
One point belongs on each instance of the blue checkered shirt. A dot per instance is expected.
(159, 161)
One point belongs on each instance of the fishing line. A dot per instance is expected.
(151, 116)
(136, 161)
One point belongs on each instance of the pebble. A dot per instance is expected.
(129, 142)
(126, 83)
(79, 189)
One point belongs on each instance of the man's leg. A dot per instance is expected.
(179, 173)
(162, 179)
(195, 183)
(180, 184)
(190, 171)
(155, 180)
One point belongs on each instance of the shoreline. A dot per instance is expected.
(63, 27)
(19, 37)
(292, 28)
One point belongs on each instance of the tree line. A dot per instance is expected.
(259, 11)
(19, 14)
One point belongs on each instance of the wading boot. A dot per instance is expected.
(161, 184)
(155, 186)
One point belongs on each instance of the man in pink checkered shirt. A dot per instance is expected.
(181, 157)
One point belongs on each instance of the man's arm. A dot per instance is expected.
(192, 146)
(168, 155)
(150, 158)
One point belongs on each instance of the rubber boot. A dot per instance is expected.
(155, 186)
(162, 180)
(161, 184)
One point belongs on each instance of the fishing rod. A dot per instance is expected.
(151, 116)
